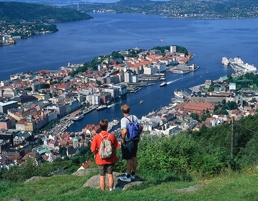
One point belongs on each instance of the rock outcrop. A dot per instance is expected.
(93, 182)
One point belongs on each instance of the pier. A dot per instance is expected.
(183, 69)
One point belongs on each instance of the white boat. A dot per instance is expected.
(78, 117)
(113, 104)
(101, 107)
(225, 61)
(163, 84)
(141, 101)
(179, 94)
(238, 64)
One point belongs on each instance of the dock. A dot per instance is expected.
(183, 69)
(196, 88)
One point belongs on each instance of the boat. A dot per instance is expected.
(101, 107)
(238, 65)
(179, 94)
(78, 117)
(163, 84)
(111, 105)
(225, 61)
(141, 101)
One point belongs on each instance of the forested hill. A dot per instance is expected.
(14, 12)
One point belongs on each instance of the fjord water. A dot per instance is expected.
(78, 42)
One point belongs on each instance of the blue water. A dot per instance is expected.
(78, 42)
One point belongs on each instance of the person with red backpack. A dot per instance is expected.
(130, 134)
(104, 147)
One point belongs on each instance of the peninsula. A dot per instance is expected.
(212, 9)
(23, 20)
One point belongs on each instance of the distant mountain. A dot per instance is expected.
(52, 2)
(15, 11)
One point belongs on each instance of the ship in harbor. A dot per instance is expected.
(111, 105)
(78, 117)
(163, 84)
(101, 107)
(112, 124)
(179, 94)
(225, 61)
(239, 66)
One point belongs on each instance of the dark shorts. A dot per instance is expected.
(103, 169)
(129, 149)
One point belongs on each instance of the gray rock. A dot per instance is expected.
(191, 188)
(32, 179)
(93, 182)
(84, 172)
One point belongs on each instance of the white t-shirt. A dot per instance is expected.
(125, 121)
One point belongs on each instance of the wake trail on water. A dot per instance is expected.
(172, 81)
(136, 34)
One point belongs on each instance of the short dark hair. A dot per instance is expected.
(103, 124)
(125, 109)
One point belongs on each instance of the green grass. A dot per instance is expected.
(233, 186)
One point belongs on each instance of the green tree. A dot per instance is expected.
(39, 141)
(98, 82)
(194, 116)
(205, 116)
(62, 151)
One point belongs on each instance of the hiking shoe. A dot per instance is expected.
(125, 178)
(133, 177)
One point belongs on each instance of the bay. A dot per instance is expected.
(81, 41)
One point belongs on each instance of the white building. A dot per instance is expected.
(150, 70)
(93, 99)
(232, 86)
(128, 77)
(173, 48)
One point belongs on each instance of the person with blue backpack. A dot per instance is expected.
(130, 134)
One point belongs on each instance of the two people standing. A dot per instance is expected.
(129, 149)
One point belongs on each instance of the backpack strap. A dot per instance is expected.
(129, 119)
(103, 137)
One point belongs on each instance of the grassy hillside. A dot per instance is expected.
(14, 12)
(166, 164)
(233, 186)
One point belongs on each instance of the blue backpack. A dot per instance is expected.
(134, 129)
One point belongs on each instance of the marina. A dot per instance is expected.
(133, 89)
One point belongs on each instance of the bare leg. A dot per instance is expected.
(110, 181)
(134, 164)
(129, 166)
(102, 182)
